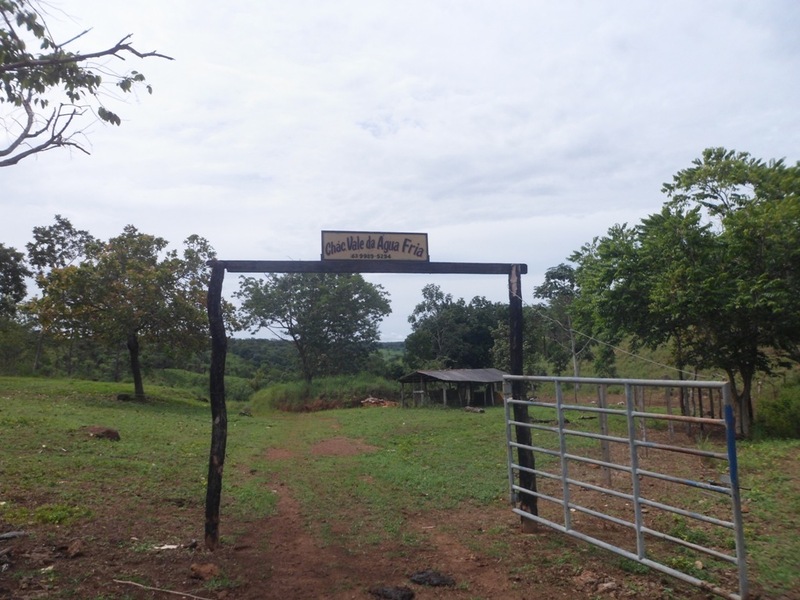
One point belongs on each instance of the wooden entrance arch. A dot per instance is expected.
(219, 417)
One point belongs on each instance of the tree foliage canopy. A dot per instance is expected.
(46, 87)
(564, 344)
(130, 290)
(57, 245)
(716, 272)
(332, 319)
(13, 272)
(722, 181)
(449, 333)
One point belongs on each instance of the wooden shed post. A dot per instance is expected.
(219, 416)
(523, 434)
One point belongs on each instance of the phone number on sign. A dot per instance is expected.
(371, 256)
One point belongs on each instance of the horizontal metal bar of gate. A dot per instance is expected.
(635, 420)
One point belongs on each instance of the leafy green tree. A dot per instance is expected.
(763, 245)
(611, 291)
(449, 333)
(131, 290)
(55, 246)
(716, 272)
(723, 181)
(13, 272)
(332, 319)
(15, 334)
(263, 360)
(58, 245)
(560, 289)
(31, 79)
(755, 206)
(535, 344)
(645, 281)
(16, 344)
(642, 283)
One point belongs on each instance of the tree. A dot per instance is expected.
(131, 290)
(58, 245)
(716, 272)
(53, 247)
(449, 333)
(14, 331)
(332, 319)
(756, 207)
(534, 342)
(611, 291)
(12, 281)
(763, 244)
(31, 80)
(645, 281)
(723, 181)
(560, 289)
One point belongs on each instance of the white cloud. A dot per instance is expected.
(508, 132)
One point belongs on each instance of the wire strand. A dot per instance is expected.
(612, 346)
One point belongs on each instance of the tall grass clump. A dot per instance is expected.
(237, 389)
(779, 416)
(324, 393)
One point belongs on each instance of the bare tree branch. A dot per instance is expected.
(25, 130)
(54, 60)
(30, 80)
(155, 589)
(56, 138)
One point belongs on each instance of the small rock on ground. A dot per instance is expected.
(400, 592)
(432, 578)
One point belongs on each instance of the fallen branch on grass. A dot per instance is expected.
(155, 589)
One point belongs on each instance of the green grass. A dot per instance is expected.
(161, 457)
(769, 471)
(424, 460)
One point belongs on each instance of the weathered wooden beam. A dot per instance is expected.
(367, 266)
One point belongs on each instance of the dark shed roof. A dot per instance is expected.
(456, 376)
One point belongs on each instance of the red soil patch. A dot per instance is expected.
(341, 446)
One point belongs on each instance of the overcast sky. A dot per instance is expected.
(506, 131)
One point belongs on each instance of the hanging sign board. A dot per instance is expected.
(371, 245)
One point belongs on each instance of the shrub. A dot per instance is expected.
(325, 393)
(780, 416)
(237, 389)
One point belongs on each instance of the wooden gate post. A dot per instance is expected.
(219, 415)
(528, 503)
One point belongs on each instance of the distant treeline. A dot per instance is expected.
(276, 361)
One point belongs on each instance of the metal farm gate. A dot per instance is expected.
(633, 470)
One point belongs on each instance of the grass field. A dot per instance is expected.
(56, 481)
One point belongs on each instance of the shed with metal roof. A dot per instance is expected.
(460, 387)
